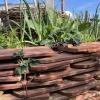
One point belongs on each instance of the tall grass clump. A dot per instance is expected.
(91, 26)
(47, 27)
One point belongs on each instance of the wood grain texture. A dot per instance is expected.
(41, 51)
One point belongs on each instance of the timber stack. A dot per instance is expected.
(15, 14)
(51, 75)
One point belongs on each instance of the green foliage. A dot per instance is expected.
(10, 40)
(90, 27)
(87, 37)
(49, 27)
(24, 64)
(2, 41)
(18, 54)
(84, 26)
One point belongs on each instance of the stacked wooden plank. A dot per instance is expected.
(8, 64)
(12, 15)
(55, 76)
(89, 47)
(16, 15)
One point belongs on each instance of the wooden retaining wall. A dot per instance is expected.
(57, 76)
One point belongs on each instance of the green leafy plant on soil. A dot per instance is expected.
(48, 27)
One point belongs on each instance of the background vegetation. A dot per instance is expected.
(49, 27)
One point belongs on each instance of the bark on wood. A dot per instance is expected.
(84, 47)
(13, 97)
(10, 79)
(6, 73)
(78, 89)
(40, 51)
(61, 57)
(85, 64)
(44, 67)
(61, 74)
(8, 66)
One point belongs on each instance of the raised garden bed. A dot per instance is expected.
(52, 75)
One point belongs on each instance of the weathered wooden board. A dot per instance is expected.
(61, 57)
(6, 73)
(5, 66)
(52, 75)
(39, 91)
(97, 54)
(31, 93)
(77, 90)
(85, 64)
(61, 74)
(85, 76)
(57, 69)
(81, 77)
(46, 86)
(66, 85)
(40, 51)
(44, 67)
(84, 47)
(10, 79)
(51, 70)
(38, 84)
(79, 60)
(11, 86)
(13, 97)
